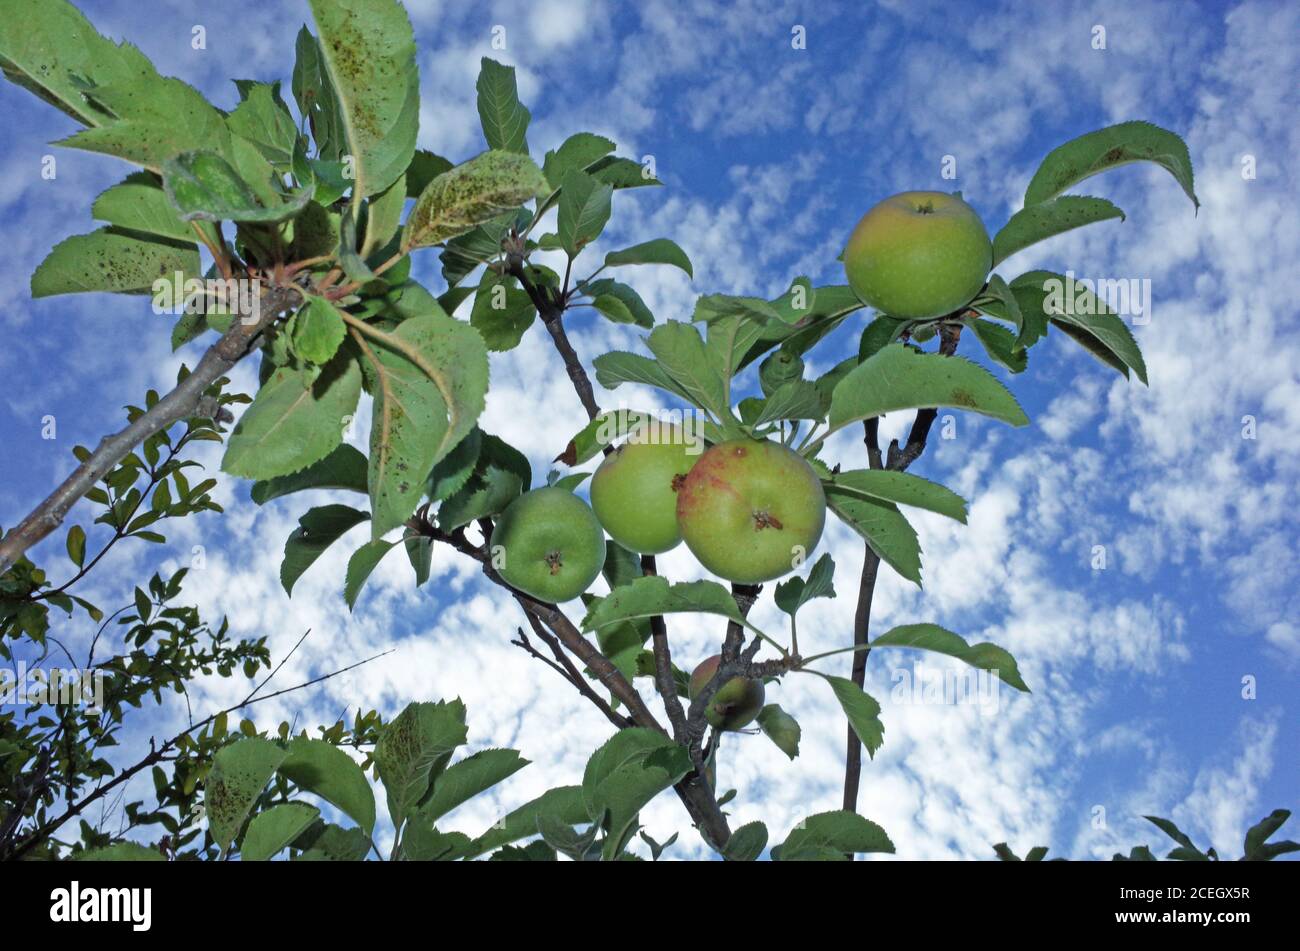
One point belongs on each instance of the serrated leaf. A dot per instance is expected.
(862, 711)
(578, 151)
(368, 51)
(472, 193)
(781, 728)
(139, 204)
(682, 355)
(263, 119)
(903, 488)
(1075, 309)
(658, 251)
(108, 260)
(317, 529)
(273, 830)
(619, 366)
(604, 430)
(795, 592)
(623, 775)
(318, 331)
(331, 843)
(502, 312)
(420, 411)
(503, 117)
(797, 399)
(296, 419)
(746, 843)
(931, 637)
(464, 780)
(584, 209)
(899, 378)
(650, 596)
(564, 804)
(1115, 145)
(828, 835)
(239, 774)
(1038, 222)
(344, 468)
(883, 527)
(1000, 344)
(205, 187)
(319, 767)
(500, 475)
(410, 746)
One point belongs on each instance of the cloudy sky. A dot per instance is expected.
(770, 154)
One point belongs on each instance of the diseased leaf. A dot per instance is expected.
(239, 774)
(368, 49)
(1115, 145)
(205, 187)
(110, 260)
(409, 748)
(1047, 219)
(471, 194)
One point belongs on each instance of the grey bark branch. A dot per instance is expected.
(181, 403)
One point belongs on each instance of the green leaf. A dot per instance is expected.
(901, 487)
(344, 468)
(420, 412)
(473, 193)
(564, 839)
(205, 187)
(384, 216)
(621, 173)
(624, 774)
(579, 151)
(139, 204)
(682, 355)
(502, 312)
(650, 596)
(604, 430)
(583, 211)
(899, 377)
(658, 251)
(500, 475)
(1074, 308)
(464, 780)
(1038, 222)
(1258, 834)
(778, 369)
(109, 260)
(1081, 158)
(453, 470)
(794, 593)
(931, 637)
(331, 843)
(239, 773)
(832, 835)
(882, 331)
(317, 529)
(120, 852)
(781, 728)
(564, 804)
(883, 527)
(360, 566)
(263, 119)
(1000, 344)
(504, 119)
(863, 713)
(313, 90)
(746, 843)
(797, 399)
(619, 302)
(318, 331)
(296, 419)
(274, 829)
(619, 366)
(410, 746)
(368, 49)
(320, 767)
(76, 545)
(425, 167)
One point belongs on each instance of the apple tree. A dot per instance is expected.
(301, 216)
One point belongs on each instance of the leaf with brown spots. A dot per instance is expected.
(1107, 148)
(369, 52)
(1035, 223)
(110, 260)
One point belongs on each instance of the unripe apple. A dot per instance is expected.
(548, 544)
(751, 510)
(735, 704)
(918, 255)
(634, 492)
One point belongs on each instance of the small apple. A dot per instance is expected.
(918, 255)
(735, 704)
(634, 492)
(751, 510)
(548, 544)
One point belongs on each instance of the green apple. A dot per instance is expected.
(735, 704)
(634, 492)
(548, 544)
(751, 510)
(918, 255)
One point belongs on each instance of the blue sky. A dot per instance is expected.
(770, 154)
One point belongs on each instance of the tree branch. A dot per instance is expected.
(181, 403)
(664, 680)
